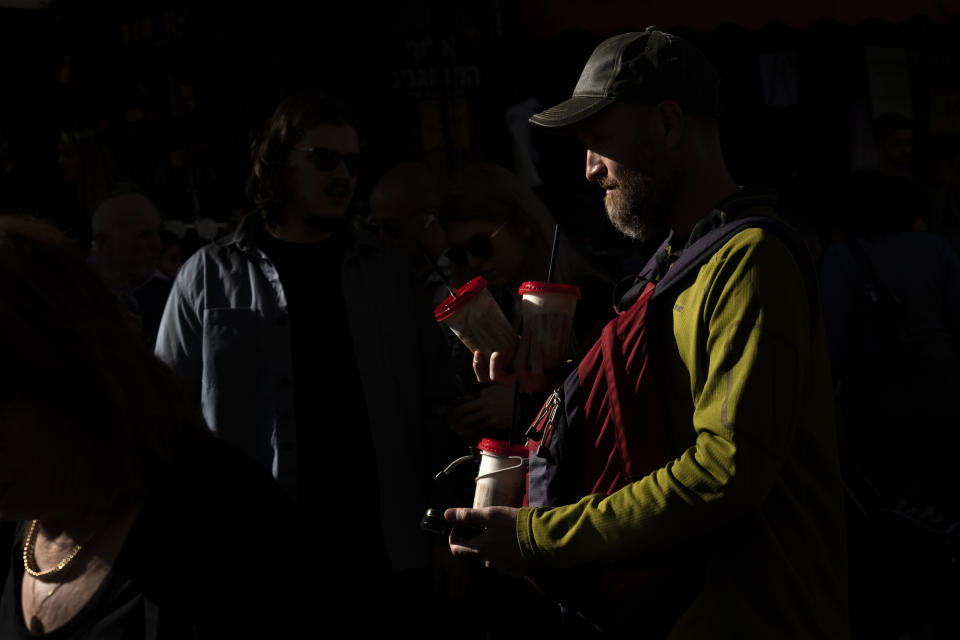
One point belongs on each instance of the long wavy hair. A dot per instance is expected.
(291, 120)
(67, 349)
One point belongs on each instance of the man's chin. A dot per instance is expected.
(640, 229)
(629, 227)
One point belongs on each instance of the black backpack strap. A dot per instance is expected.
(655, 267)
(719, 225)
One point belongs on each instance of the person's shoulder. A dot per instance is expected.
(760, 258)
(222, 256)
(198, 257)
(771, 242)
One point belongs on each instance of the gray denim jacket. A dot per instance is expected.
(225, 330)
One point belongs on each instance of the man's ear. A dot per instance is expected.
(672, 122)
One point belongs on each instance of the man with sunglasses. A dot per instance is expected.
(306, 342)
(746, 502)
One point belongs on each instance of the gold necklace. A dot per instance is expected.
(30, 561)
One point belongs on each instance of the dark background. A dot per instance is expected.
(178, 89)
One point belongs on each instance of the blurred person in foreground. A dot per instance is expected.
(748, 506)
(114, 498)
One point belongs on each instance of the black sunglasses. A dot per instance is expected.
(328, 159)
(480, 247)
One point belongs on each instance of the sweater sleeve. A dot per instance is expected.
(742, 333)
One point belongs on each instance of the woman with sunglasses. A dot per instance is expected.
(498, 228)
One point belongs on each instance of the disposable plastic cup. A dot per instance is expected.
(502, 478)
(476, 318)
(548, 310)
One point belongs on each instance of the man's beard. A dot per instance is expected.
(640, 205)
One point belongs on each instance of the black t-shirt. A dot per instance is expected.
(334, 443)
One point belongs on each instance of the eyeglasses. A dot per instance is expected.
(479, 247)
(328, 159)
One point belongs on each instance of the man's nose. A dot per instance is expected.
(341, 169)
(595, 168)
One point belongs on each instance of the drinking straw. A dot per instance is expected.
(437, 268)
(553, 252)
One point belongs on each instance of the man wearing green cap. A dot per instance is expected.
(750, 506)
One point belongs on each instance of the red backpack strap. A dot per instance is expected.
(632, 391)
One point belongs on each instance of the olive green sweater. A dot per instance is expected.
(755, 492)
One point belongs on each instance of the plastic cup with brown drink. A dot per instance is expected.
(476, 319)
(548, 310)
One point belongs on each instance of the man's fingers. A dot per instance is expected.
(481, 367)
(501, 367)
(462, 551)
(466, 523)
(465, 515)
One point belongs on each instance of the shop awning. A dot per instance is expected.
(604, 17)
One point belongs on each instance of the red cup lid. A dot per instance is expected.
(549, 287)
(502, 448)
(465, 294)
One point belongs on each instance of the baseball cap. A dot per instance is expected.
(643, 67)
